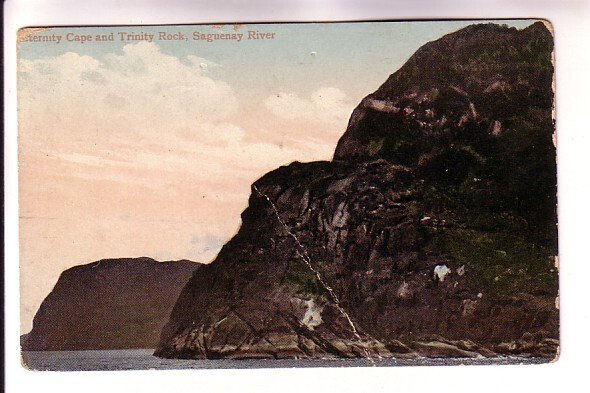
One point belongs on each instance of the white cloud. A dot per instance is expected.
(204, 64)
(327, 105)
(144, 103)
(143, 90)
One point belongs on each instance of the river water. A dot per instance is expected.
(142, 359)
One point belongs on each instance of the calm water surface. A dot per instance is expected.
(142, 359)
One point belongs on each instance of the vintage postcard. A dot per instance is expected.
(287, 195)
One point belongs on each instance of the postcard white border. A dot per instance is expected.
(570, 21)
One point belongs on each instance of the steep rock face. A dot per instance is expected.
(432, 232)
(108, 304)
(475, 102)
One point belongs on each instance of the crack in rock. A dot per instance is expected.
(304, 256)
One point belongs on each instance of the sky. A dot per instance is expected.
(137, 148)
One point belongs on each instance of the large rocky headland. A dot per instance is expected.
(108, 304)
(433, 231)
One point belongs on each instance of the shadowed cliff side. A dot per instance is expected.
(108, 304)
(434, 227)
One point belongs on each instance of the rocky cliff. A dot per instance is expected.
(432, 232)
(109, 304)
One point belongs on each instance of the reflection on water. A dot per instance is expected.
(142, 359)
